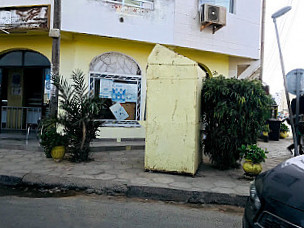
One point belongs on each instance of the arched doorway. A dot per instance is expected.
(24, 89)
(117, 77)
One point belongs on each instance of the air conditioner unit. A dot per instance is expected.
(212, 15)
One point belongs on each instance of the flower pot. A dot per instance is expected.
(252, 169)
(283, 134)
(265, 133)
(58, 153)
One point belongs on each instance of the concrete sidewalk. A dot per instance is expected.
(121, 172)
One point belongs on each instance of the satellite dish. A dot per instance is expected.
(293, 82)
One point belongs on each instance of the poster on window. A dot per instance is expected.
(119, 112)
(105, 88)
(119, 92)
(131, 93)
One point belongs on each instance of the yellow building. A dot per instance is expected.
(158, 97)
(111, 41)
(28, 57)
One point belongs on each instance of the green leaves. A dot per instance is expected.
(234, 112)
(253, 153)
(284, 127)
(79, 111)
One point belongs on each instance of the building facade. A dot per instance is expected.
(110, 41)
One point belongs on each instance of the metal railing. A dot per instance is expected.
(19, 118)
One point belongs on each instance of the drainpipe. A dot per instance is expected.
(55, 56)
(262, 39)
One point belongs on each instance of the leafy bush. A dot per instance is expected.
(253, 153)
(79, 112)
(284, 127)
(234, 112)
(266, 128)
(49, 138)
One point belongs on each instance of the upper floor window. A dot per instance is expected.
(229, 4)
(144, 4)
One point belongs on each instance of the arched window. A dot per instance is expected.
(23, 59)
(117, 78)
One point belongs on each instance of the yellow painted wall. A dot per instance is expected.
(78, 50)
(39, 43)
(174, 86)
(214, 62)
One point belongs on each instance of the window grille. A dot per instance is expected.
(143, 4)
(117, 68)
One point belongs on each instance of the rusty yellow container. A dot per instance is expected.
(58, 153)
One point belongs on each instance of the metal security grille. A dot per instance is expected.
(118, 68)
(19, 118)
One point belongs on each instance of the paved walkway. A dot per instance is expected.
(122, 172)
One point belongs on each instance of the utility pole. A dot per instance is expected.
(262, 39)
(55, 56)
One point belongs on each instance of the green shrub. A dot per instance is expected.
(266, 128)
(49, 138)
(234, 112)
(253, 153)
(284, 128)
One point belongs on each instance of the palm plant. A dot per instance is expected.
(79, 111)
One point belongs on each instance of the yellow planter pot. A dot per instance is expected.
(265, 133)
(252, 169)
(283, 134)
(58, 153)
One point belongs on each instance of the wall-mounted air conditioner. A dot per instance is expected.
(211, 15)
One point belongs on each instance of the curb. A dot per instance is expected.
(186, 196)
(120, 189)
(94, 149)
(10, 180)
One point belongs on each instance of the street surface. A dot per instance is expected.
(101, 211)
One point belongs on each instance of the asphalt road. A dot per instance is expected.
(101, 211)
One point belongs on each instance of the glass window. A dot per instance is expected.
(35, 59)
(228, 4)
(117, 78)
(23, 58)
(145, 4)
(13, 58)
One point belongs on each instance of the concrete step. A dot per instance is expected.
(96, 145)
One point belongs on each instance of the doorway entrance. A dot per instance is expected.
(24, 89)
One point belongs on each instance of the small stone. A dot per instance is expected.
(98, 192)
(89, 191)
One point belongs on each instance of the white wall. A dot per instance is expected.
(173, 22)
(240, 36)
(100, 18)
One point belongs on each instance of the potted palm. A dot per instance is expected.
(79, 113)
(253, 156)
(284, 131)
